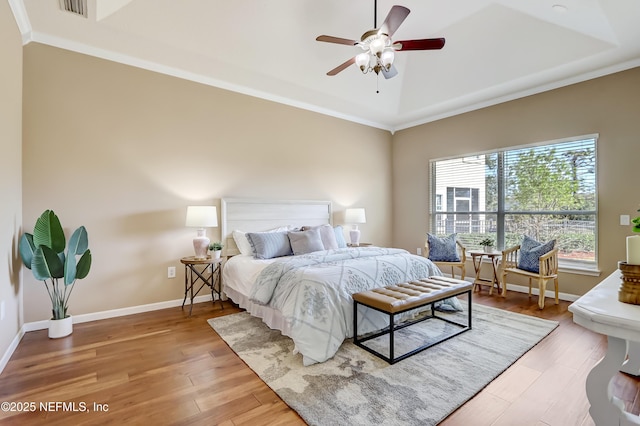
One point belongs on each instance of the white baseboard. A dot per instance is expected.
(548, 293)
(94, 316)
(12, 347)
(534, 290)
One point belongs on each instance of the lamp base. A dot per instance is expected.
(354, 234)
(201, 245)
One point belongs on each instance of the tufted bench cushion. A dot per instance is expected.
(402, 297)
(398, 298)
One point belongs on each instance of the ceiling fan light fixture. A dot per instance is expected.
(377, 46)
(362, 61)
(388, 55)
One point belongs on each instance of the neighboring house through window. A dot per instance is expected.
(546, 191)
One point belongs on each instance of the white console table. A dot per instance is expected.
(599, 310)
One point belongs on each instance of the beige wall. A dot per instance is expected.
(10, 176)
(123, 151)
(609, 106)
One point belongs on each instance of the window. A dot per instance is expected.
(546, 191)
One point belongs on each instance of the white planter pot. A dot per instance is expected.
(488, 249)
(60, 328)
(216, 254)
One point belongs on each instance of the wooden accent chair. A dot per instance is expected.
(548, 271)
(462, 254)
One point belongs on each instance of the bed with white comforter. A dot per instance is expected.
(308, 297)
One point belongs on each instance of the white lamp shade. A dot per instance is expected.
(362, 60)
(202, 216)
(387, 57)
(355, 216)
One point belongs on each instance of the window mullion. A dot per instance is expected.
(501, 194)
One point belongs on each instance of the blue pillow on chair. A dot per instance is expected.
(530, 252)
(443, 249)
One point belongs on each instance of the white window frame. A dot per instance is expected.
(436, 221)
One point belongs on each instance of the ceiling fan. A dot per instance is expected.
(378, 50)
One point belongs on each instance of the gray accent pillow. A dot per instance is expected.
(327, 235)
(306, 241)
(267, 245)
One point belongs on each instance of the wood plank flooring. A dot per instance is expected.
(164, 367)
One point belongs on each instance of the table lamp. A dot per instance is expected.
(354, 217)
(201, 217)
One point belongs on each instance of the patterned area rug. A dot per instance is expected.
(355, 387)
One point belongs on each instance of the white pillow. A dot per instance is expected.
(243, 244)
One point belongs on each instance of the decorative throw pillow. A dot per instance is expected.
(530, 252)
(340, 236)
(443, 249)
(306, 241)
(243, 244)
(267, 245)
(327, 235)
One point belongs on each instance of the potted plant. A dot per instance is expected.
(216, 249)
(43, 252)
(487, 243)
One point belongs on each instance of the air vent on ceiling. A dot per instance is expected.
(79, 7)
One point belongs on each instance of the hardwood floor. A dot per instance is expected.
(163, 367)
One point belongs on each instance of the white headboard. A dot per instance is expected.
(256, 215)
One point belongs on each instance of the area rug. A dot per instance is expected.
(355, 387)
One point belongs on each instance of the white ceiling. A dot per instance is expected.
(495, 50)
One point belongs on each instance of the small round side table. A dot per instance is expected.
(205, 271)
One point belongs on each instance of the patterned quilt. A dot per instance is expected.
(313, 292)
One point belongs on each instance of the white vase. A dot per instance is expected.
(488, 249)
(216, 254)
(60, 327)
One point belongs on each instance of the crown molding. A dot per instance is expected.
(22, 19)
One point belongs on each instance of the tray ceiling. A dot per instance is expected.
(495, 50)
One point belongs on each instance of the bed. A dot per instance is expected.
(306, 295)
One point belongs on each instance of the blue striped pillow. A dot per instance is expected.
(267, 245)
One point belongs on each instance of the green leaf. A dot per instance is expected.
(79, 242)
(48, 232)
(84, 265)
(69, 269)
(46, 264)
(26, 248)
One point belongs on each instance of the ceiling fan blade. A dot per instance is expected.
(338, 40)
(342, 66)
(396, 16)
(422, 44)
(391, 73)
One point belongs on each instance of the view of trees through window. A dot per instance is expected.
(544, 191)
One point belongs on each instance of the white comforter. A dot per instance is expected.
(313, 292)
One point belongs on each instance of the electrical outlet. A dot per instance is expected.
(419, 251)
(624, 219)
(1, 310)
(171, 272)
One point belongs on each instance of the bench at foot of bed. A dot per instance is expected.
(399, 298)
